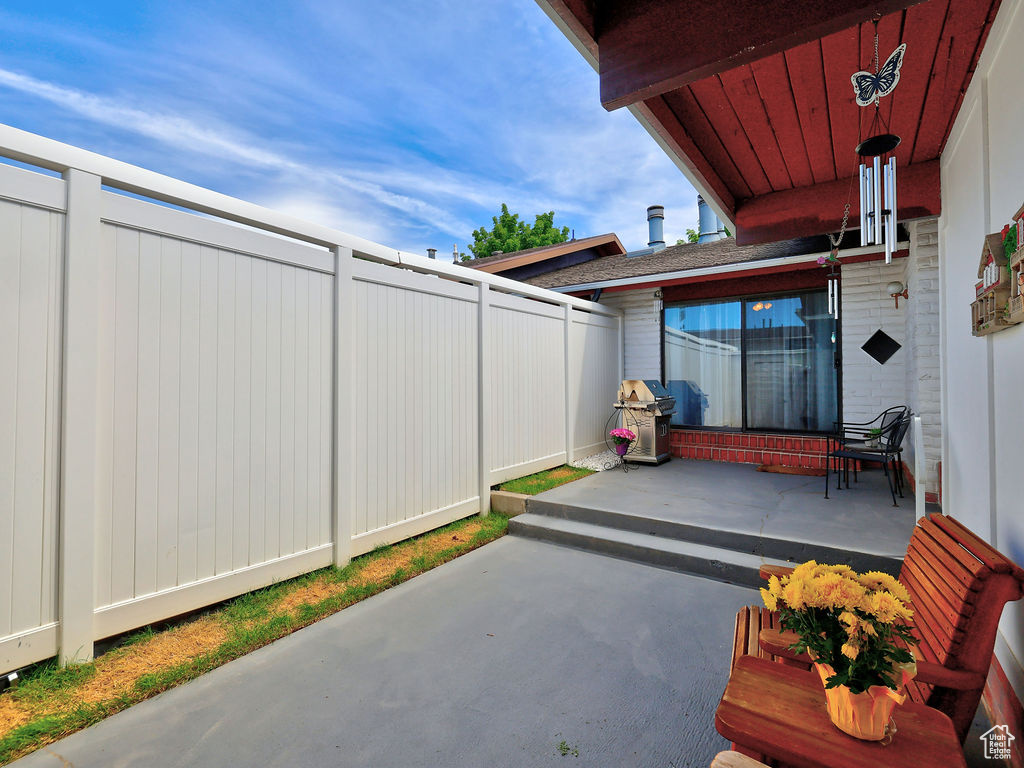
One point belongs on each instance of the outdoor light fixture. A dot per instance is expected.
(877, 172)
(897, 289)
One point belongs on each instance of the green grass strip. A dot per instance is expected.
(545, 481)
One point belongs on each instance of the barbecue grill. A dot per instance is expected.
(645, 407)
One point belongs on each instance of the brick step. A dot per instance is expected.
(749, 441)
(750, 456)
(755, 456)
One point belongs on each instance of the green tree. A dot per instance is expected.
(692, 235)
(509, 234)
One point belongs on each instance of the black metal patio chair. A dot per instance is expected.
(870, 437)
(888, 450)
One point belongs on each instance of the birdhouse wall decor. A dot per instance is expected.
(1015, 266)
(990, 311)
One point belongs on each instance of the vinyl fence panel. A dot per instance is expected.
(415, 427)
(595, 371)
(198, 343)
(527, 381)
(31, 250)
(192, 409)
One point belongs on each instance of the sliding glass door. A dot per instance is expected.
(703, 363)
(764, 363)
(790, 374)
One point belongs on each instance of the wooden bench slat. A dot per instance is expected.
(951, 548)
(981, 549)
(936, 573)
(926, 602)
(935, 649)
(948, 564)
(960, 611)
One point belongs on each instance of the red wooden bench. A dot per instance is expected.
(958, 586)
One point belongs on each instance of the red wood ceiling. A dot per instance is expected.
(773, 139)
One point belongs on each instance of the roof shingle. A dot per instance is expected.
(676, 258)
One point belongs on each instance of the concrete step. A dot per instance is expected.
(697, 559)
(751, 544)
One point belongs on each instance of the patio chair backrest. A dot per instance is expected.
(893, 436)
(958, 585)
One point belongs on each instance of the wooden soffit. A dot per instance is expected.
(651, 47)
(754, 101)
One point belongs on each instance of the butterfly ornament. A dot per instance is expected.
(870, 88)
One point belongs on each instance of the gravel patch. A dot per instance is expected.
(599, 461)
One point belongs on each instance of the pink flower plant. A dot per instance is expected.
(832, 258)
(622, 435)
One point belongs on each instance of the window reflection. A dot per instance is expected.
(703, 364)
(786, 345)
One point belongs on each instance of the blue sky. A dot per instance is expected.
(408, 123)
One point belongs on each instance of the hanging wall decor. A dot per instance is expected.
(1015, 264)
(877, 170)
(990, 310)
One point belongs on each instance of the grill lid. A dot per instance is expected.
(646, 390)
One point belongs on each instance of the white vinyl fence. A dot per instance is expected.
(190, 409)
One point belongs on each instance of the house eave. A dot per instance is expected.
(767, 265)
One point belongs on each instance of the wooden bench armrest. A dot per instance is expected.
(777, 642)
(767, 571)
(958, 679)
(732, 759)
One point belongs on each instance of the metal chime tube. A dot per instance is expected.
(869, 202)
(863, 205)
(830, 297)
(887, 212)
(891, 200)
(876, 201)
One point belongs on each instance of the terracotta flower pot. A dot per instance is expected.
(863, 715)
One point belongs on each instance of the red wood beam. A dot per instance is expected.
(818, 208)
(650, 47)
(578, 17)
(695, 164)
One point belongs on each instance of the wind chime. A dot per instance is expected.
(877, 170)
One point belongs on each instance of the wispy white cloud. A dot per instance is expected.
(185, 135)
(404, 122)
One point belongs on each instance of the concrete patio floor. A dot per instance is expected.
(736, 498)
(494, 659)
(490, 660)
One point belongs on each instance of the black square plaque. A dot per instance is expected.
(881, 346)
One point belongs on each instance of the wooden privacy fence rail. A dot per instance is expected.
(190, 409)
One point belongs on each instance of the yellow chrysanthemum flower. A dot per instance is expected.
(884, 606)
(794, 593)
(834, 591)
(869, 629)
(805, 570)
(849, 650)
(771, 602)
(880, 581)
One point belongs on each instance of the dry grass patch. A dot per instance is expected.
(380, 566)
(116, 673)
